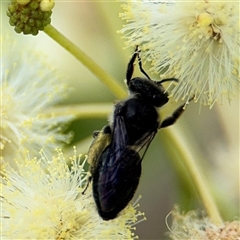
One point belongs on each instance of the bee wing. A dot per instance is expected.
(120, 169)
(117, 183)
(119, 147)
(119, 138)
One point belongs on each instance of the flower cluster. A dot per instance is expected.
(30, 16)
(195, 41)
(194, 225)
(44, 200)
(28, 88)
(41, 197)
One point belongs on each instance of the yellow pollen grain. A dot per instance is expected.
(204, 19)
(128, 13)
(27, 123)
(208, 32)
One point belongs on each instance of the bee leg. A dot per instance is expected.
(130, 66)
(95, 133)
(175, 115)
(86, 187)
(167, 80)
(93, 154)
(106, 130)
(140, 65)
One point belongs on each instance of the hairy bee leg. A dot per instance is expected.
(167, 80)
(140, 66)
(106, 130)
(95, 133)
(175, 115)
(86, 187)
(130, 66)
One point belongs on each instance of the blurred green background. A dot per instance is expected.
(213, 134)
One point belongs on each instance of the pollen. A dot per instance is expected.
(47, 194)
(204, 19)
(206, 33)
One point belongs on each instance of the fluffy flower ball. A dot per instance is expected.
(194, 225)
(196, 41)
(28, 87)
(44, 200)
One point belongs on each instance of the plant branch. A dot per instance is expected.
(181, 147)
(93, 67)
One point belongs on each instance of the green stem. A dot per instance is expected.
(182, 148)
(110, 82)
(83, 111)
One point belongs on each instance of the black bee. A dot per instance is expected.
(114, 155)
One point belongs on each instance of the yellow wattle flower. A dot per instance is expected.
(29, 87)
(44, 200)
(197, 42)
